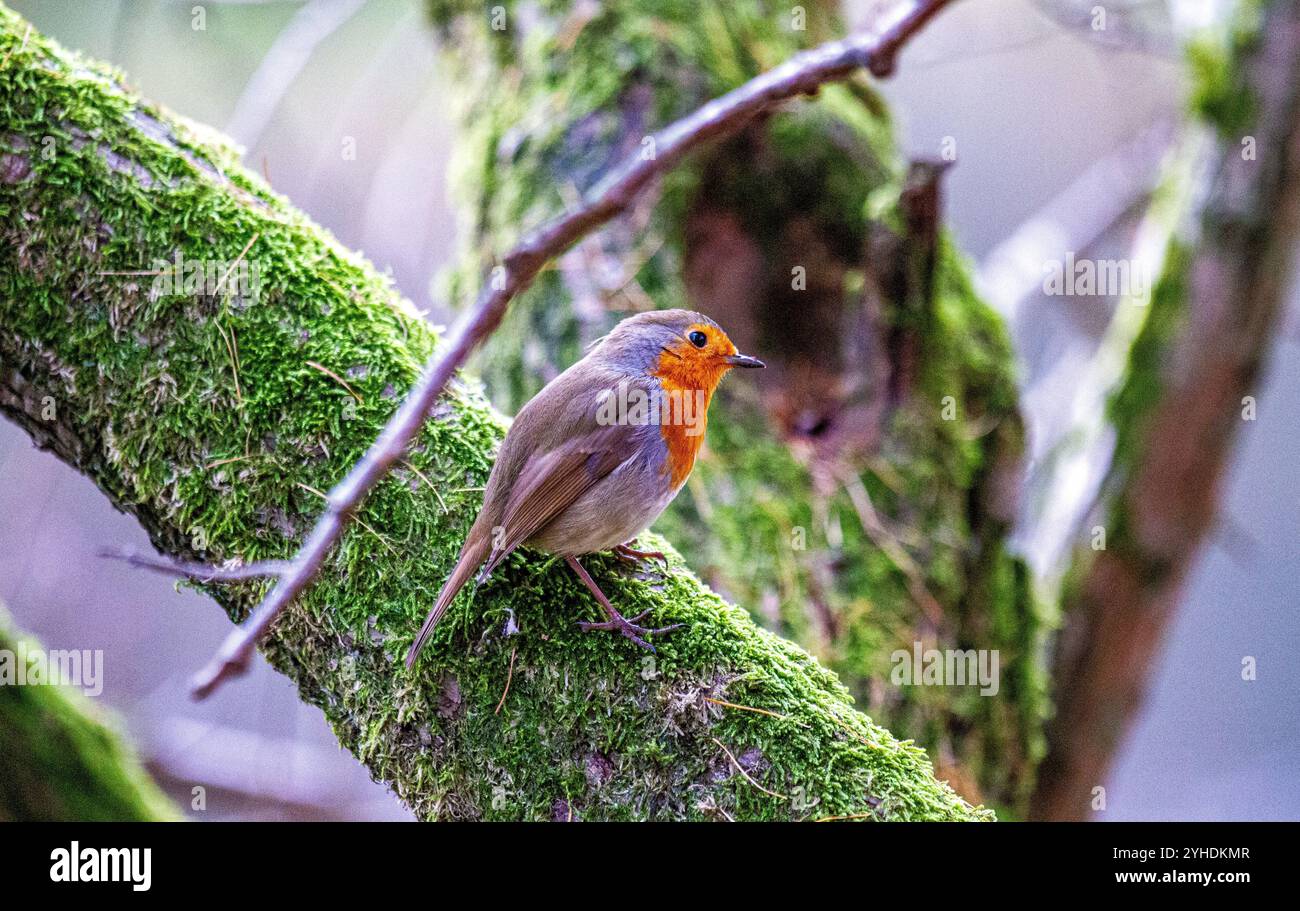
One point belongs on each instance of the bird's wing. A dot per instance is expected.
(552, 482)
(573, 452)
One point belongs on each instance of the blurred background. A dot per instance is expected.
(1058, 134)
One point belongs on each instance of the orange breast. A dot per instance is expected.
(688, 384)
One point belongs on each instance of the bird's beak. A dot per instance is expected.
(743, 360)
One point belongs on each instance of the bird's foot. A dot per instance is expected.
(616, 622)
(629, 628)
(629, 553)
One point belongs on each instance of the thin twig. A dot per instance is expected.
(199, 572)
(234, 361)
(741, 770)
(875, 50)
(338, 379)
(360, 521)
(856, 735)
(721, 812)
(510, 675)
(423, 477)
(750, 708)
(221, 283)
(890, 546)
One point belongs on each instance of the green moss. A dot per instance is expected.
(1219, 93)
(62, 760)
(1143, 386)
(201, 415)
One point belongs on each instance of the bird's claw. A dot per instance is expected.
(630, 629)
(630, 554)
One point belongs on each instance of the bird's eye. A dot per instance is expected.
(698, 339)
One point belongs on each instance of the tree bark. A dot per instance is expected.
(214, 412)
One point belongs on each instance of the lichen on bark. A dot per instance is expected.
(202, 414)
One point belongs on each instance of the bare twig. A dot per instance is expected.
(510, 675)
(360, 521)
(221, 283)
(199, 572)
(234, 361)
(741, 770)
(750, 708)
(890, 546)
(425, 478)
(338, 379)
(875, 50)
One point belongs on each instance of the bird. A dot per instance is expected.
(592, 460)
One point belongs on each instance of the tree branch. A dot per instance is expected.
(804, 237)
(199, 572)
(61, 762)
(133, 383)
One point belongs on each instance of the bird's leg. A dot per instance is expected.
(627, 551)
(616, 622)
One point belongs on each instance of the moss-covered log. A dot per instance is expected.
(60, 759)
(215, 409)
(857, 495)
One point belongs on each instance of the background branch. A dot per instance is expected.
(1211, 322)
(62, 759)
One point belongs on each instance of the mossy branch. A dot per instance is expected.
(61, 761)
(873, 49)
(197, 409)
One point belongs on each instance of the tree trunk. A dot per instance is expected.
(213, 405)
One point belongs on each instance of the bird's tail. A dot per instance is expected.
(474, 553)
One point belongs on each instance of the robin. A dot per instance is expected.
(594, 458)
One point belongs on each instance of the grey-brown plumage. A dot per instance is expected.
(570, 483)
